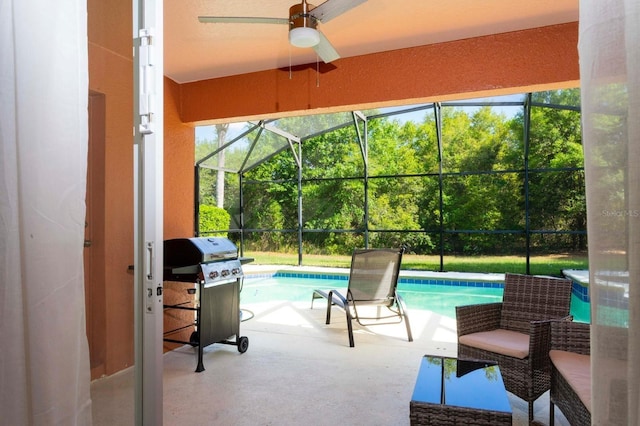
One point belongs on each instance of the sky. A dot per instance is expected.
(209, 132)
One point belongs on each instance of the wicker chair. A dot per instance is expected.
(570, 354)
(373, 281)
(569, 337)
(516, 332)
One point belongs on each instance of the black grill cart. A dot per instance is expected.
(212, 273)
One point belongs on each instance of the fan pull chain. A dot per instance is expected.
(290, 75)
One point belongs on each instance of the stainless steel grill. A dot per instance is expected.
(212, 259)
(212, 266)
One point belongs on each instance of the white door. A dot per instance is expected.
(148, 195)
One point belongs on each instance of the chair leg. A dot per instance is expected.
(403, 314)
(552, 417)
(314, 296)
(349, 326)
(531, 412)
(406, 322)
(329, 304)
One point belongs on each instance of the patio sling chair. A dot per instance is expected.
(373, 280)
(516, 332)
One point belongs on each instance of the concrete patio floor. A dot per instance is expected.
(298, 370)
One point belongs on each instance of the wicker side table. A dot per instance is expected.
(454, 392)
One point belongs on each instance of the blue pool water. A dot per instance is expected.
(441, 299)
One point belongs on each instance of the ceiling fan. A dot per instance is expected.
(302, 21)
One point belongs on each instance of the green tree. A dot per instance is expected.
(557, 198)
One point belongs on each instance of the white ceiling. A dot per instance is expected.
(196, 51)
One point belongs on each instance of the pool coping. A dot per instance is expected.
(580, 282)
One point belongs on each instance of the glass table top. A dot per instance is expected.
(469, 384)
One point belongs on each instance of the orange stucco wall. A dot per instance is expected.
(111, 74)
(179, 160)
(515, 62)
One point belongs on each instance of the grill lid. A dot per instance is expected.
(180, 252)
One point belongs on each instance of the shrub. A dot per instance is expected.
(213, 218)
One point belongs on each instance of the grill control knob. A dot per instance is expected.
(225, 272)
(235, 271)
(213, 275)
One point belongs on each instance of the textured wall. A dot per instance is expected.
(515, 62)
(179, 159)
(111, 74)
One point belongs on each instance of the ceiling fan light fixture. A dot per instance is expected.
(304, 37)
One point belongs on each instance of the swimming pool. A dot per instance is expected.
(441, 299)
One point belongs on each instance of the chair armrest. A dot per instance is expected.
(571, 336)
(480, 317)
(540, 340)
(336, 298)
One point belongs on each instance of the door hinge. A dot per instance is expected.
(147, 80)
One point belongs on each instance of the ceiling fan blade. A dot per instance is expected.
(241, 20)
(325, 50)
(333, 8)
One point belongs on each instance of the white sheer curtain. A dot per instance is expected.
(610, 82)
(44, 357)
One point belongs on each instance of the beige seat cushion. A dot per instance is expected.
(505, 342)
(576, 369)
